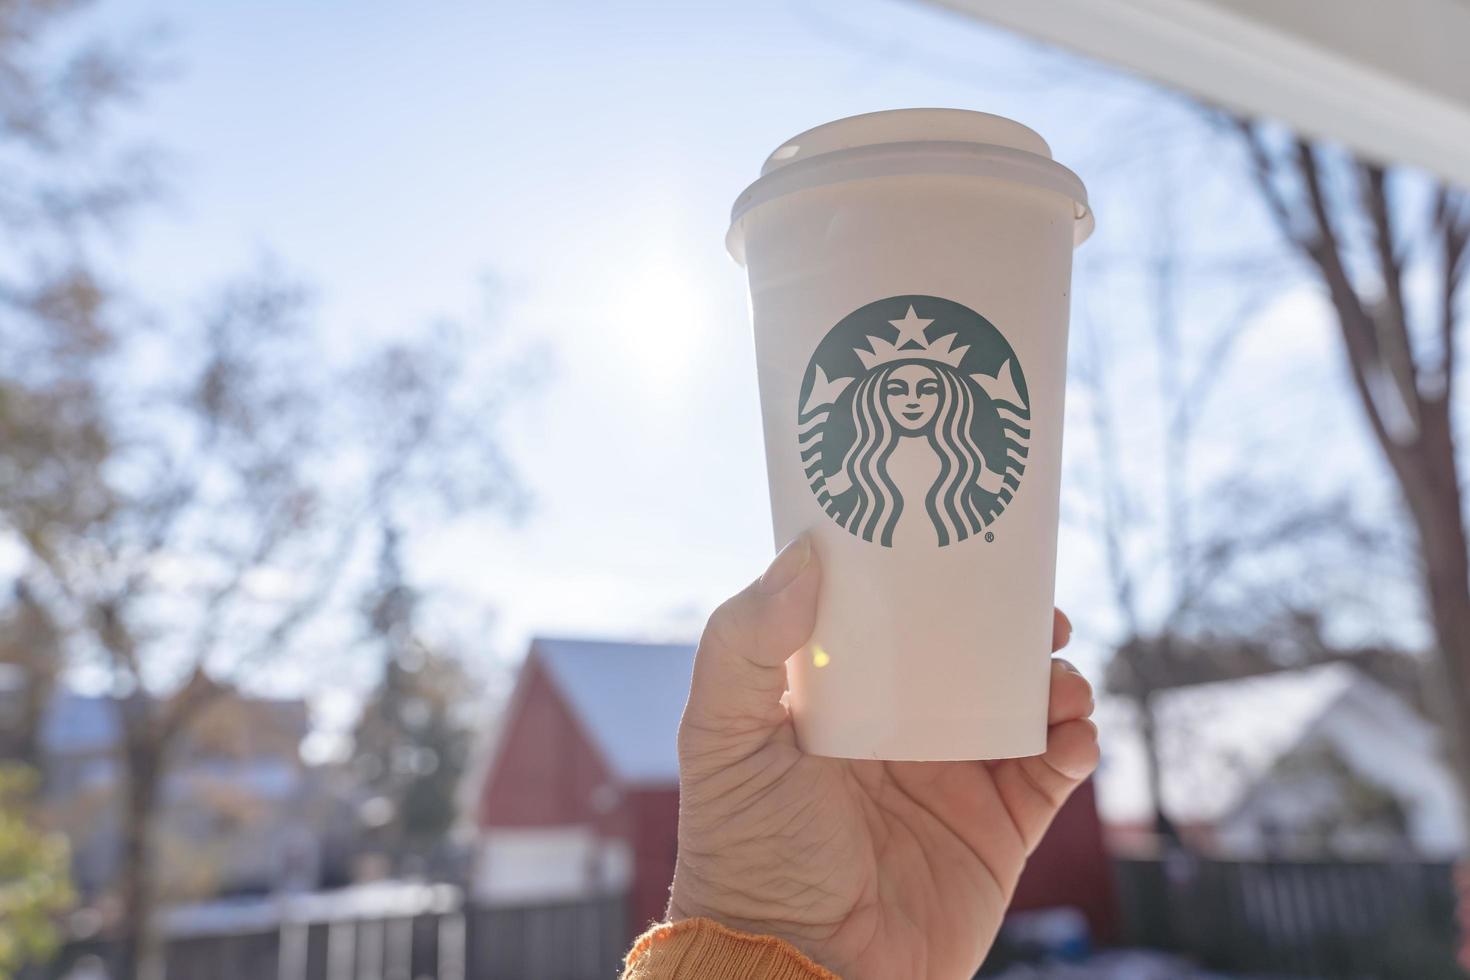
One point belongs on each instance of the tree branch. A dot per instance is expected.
(1264, 173)
(106, 619)
(1218, 558)
(1454, 231)
(181, 707)
(1114, 502)
(212, 616)
(1358, 332)
(1392, 322)
(1318, 242)
(1202, 381)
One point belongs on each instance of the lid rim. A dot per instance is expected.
(912, 158)
(934, 123)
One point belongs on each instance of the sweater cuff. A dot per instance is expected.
(702, 949)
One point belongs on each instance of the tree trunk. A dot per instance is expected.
(1430, 483)
(1149, 733)
(35, 702)
(1376, 339)
(1374, 327)
(1428, 478)
(1447, 585)
(139, 955)
(29, 639)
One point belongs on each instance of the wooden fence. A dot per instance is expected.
(431, 935)
(1304, 920)
(1294, 918)
(583, 941)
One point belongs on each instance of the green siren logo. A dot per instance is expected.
(914, 421)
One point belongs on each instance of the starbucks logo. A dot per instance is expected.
(914, 421)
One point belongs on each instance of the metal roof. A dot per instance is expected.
(629, 698)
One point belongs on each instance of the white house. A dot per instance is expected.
(1317, 761)
(235, 799)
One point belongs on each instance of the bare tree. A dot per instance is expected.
(1391, 249)
(1184, 546)
(186, 493)
(62, 181)
(225, 514)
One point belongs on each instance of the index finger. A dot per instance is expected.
(1061, 630)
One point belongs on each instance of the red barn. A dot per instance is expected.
(580, 796)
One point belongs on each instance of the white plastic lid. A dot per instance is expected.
(902, 142)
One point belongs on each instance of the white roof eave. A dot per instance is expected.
(1391, 81)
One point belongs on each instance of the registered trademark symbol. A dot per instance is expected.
(989, 535)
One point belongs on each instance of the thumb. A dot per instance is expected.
(740, 668)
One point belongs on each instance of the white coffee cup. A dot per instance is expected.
(909, 282)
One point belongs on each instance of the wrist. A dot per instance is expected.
(701, 947)
(685, 904)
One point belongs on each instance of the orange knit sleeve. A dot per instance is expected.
(702, 949)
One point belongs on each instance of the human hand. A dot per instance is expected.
(873, 869)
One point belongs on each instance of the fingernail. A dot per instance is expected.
(787, 566)
(1068, 665)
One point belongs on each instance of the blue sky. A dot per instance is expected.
(581, 158)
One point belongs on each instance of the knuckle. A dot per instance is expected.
(731, 627)
(721, 626)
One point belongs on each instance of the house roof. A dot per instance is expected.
(1223, 745)
(1215, 740)
(82, 724)
(78, 724)
(627, 696)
